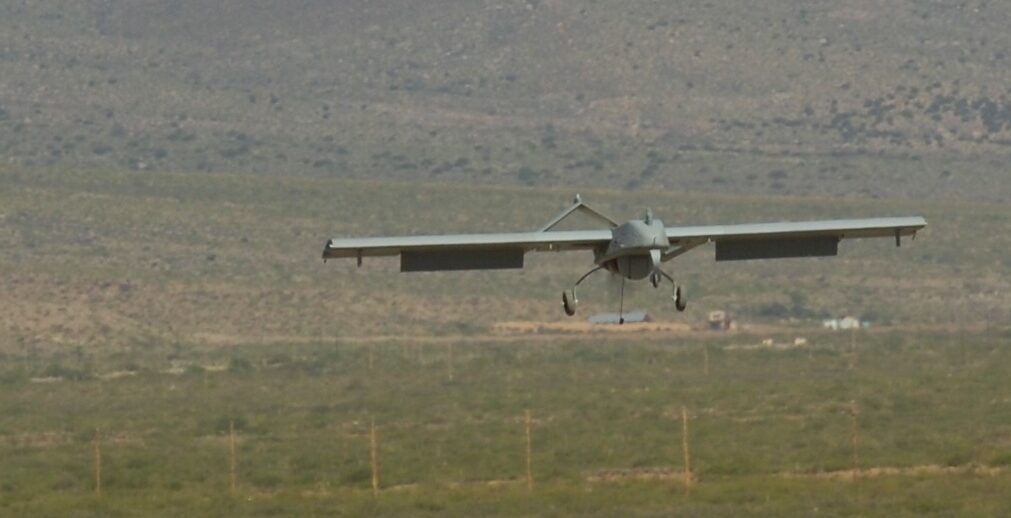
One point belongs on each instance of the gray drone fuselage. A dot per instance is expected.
(636, 248)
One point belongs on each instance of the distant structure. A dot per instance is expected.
(720, 320)
(631, 317)
(844, 324)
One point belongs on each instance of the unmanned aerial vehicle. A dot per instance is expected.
(634, 250)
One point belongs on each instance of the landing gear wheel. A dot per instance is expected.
(654, 279)
(569, 306)
(680, 303)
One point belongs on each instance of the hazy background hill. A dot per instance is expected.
(173, 167)
(895, 99)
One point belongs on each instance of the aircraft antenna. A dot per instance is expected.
(578, 206)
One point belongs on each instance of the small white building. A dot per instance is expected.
(847, 323)
(842, 324)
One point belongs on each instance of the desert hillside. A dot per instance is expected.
(854, 97)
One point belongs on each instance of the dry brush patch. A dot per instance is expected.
(901, 471)
(191, 258)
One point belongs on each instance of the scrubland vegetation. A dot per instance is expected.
(123, 259)
(171, 171)
(159, 308)
(770, 431)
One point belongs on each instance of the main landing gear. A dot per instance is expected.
(680, 302)
(570, 302)
(569, 305)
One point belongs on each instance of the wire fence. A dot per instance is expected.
(820, 436)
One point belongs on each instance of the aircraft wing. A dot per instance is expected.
(465, 251)
(790, 239)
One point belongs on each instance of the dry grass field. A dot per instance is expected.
(171, 343)
(161, 308)
(904, 424)
(112, 259)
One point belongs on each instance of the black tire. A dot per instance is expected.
(569, 306)
(680, 302)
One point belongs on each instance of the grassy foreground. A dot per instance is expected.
(771, 431)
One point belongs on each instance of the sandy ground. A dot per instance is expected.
(536, 331)
(527, 327)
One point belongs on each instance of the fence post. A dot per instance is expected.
(232, 483)
(98, 464)
(374, 449)
(853, 348)
(684, 447)
(854, 431)
(449, 361)
(530, 471)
